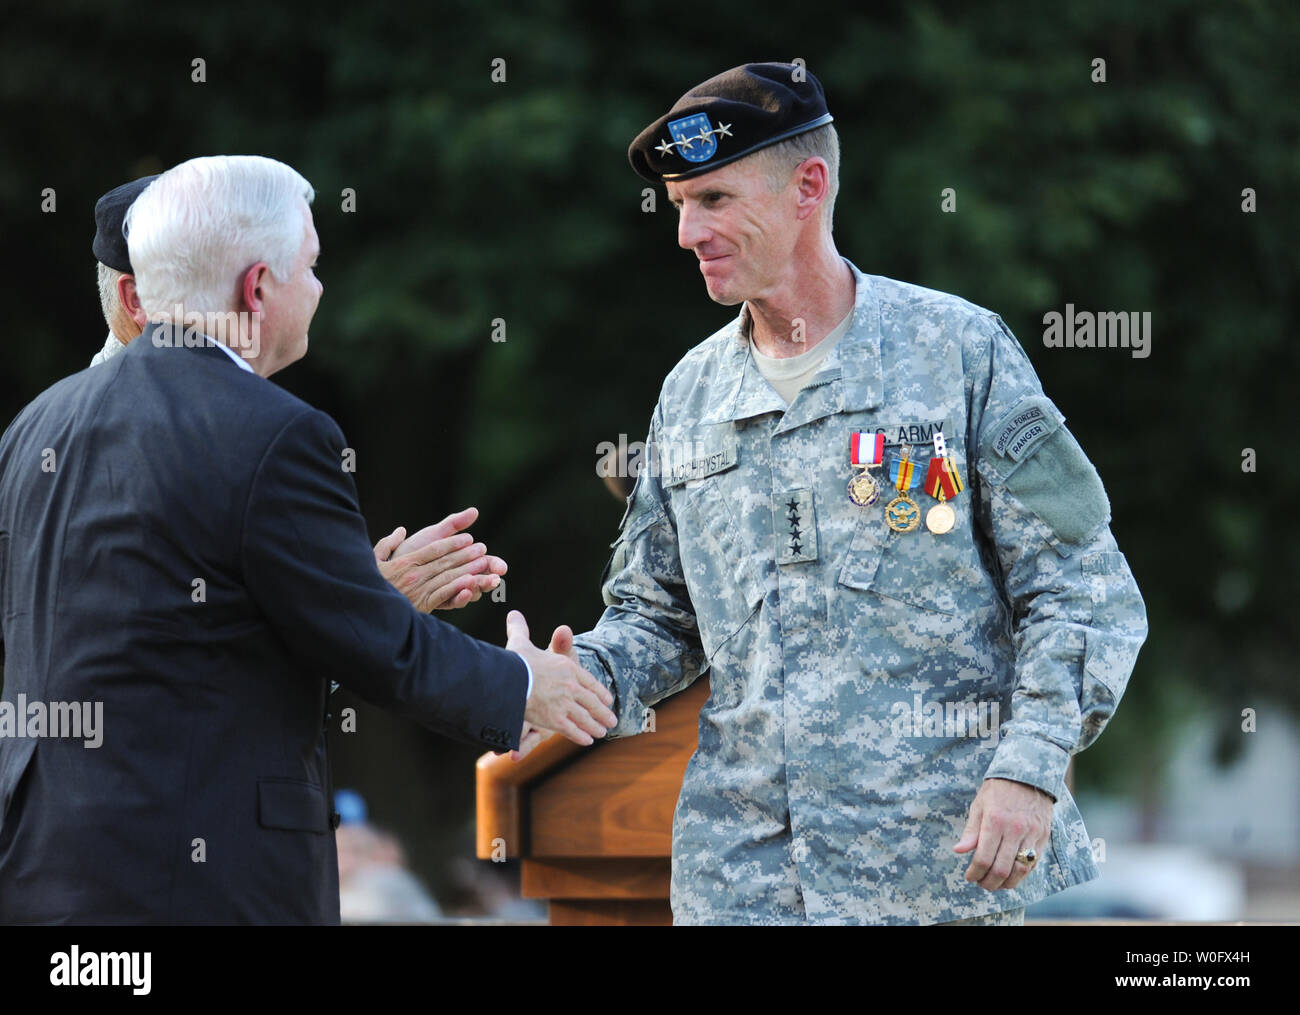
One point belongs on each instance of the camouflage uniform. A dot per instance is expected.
(854, 668)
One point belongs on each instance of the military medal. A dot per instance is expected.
(902, 514)
(940, 519)
(866, 451)
(942, 481)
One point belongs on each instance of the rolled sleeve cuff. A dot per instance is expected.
(1033, 761)
(631, 718)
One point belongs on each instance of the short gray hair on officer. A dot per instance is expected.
(198, 227)
(109, 301)
(779, 161)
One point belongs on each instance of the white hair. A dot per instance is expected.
(196, 229)
(109, 301)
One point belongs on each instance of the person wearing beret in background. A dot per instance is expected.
(117, 294)
(862, 516)
(439, 567)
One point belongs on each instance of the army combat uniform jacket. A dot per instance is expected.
(864, 681)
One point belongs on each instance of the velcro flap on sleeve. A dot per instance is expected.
(1032, 455)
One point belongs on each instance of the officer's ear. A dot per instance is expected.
(812, 179)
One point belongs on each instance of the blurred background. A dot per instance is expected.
(502, 298)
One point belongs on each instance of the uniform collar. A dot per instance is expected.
(850, 379)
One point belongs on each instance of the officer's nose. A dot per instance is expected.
(691, 229)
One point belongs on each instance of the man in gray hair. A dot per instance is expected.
(117, 293)
(440, 567)
(180, 546)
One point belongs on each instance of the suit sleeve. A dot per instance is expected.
(646, 645)
(1077, 617)
(310, 569)
(4, 565)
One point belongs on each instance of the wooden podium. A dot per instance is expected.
(593, 825)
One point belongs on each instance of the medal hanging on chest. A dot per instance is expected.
(942, 482)
(902, 514)
(866, 452)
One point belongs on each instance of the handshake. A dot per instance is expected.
(566, 699)
(441, 567)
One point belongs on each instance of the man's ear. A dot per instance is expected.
(130, 300)
(252, 290)
(814, 184)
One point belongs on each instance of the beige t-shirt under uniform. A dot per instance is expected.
(788, 376)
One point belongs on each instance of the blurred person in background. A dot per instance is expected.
(375, 884)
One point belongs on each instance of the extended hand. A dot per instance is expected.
(566, 698)
(440, 567)
(1005, 817)
(561, 644)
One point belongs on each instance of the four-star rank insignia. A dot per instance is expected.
(694, 137)
(796, 526)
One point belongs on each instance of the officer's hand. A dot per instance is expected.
(566, 698)
(440, 567)
(1005, 817)
(562, 643)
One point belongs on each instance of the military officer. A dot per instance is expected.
(864, 519)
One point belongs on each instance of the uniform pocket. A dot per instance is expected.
(721, 575)
(1116, 630)
(930, 572)
(640, 515)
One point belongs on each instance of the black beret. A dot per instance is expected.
(728, 117)
(110, 211)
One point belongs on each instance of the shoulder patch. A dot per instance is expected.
(1059, 484)
(1024, 428)
(1030, 454)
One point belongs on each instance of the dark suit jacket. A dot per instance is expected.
(172, 466)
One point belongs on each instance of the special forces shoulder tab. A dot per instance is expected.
(1030, 453)
(1028, 423)
(1007, 442)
